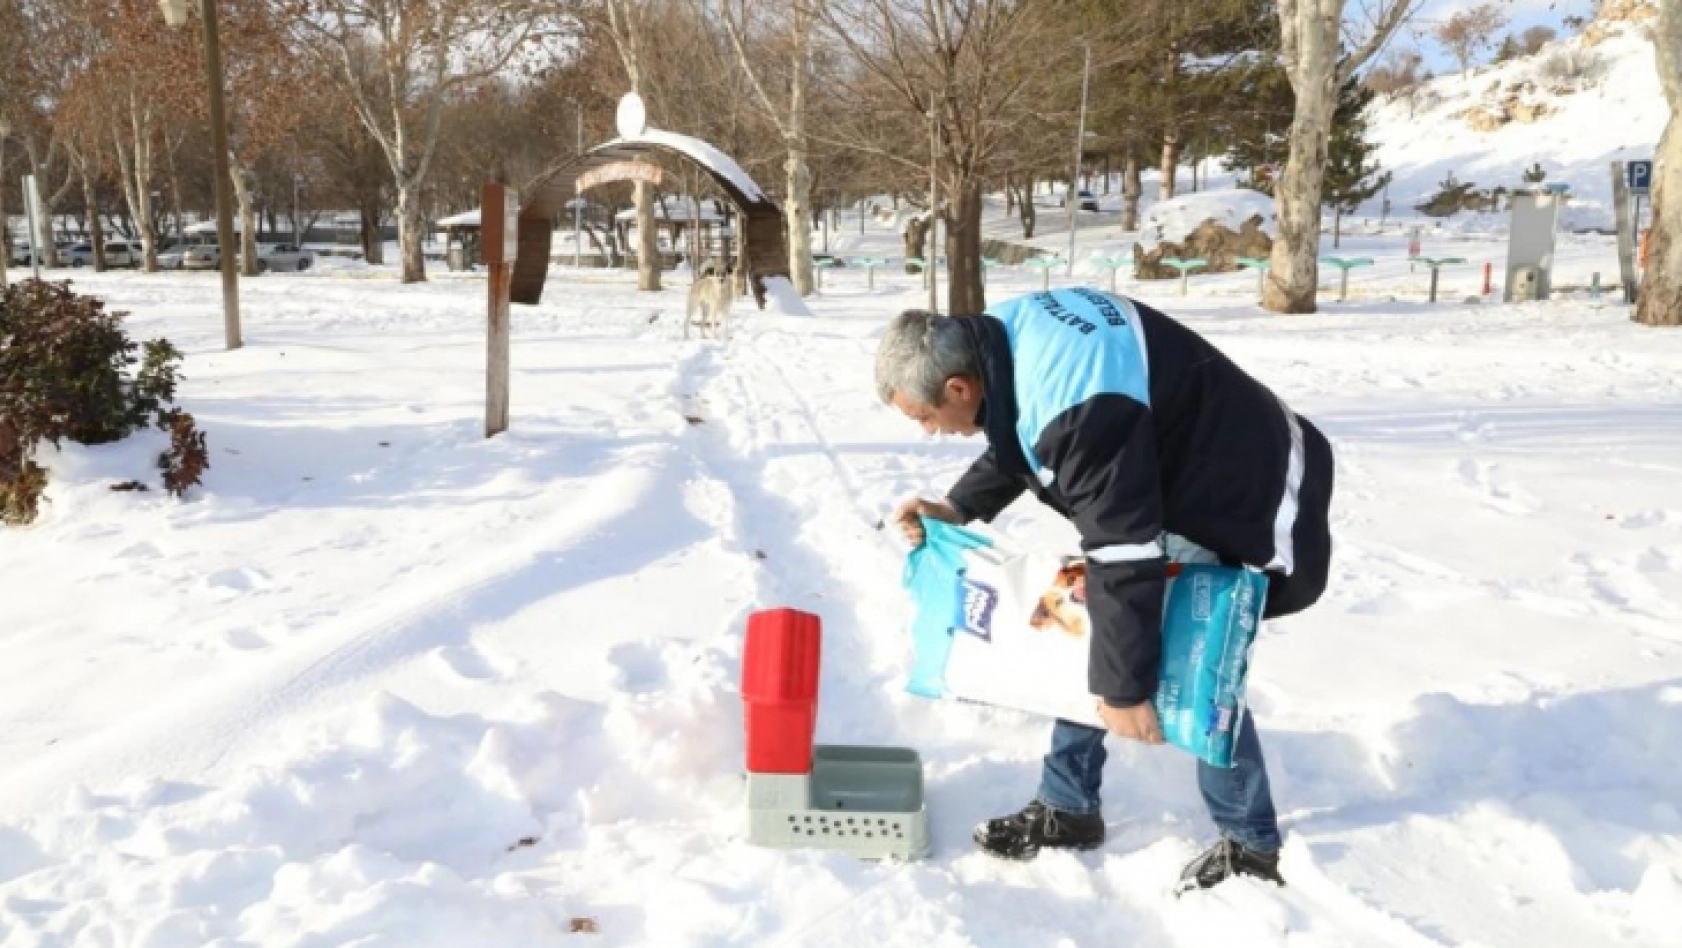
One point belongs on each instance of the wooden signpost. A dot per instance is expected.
(499, 232)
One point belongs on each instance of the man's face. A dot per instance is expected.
(955, 414)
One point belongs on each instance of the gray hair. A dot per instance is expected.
(919, 352)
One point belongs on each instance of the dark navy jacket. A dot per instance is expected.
(1131, 425)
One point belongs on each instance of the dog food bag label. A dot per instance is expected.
(1209, 622)
(1009, 628)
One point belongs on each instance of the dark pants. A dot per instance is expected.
(1238, 798)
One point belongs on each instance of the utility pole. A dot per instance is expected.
(5, 231)
(1080, 150)
(175, 14)
(297, 236)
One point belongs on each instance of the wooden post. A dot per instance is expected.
(498, 230)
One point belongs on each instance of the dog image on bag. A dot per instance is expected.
(709, 306)
(1063, 606)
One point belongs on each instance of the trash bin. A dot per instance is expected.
(780, 690)
(456, 259)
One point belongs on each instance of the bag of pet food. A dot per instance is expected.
(1009, 628)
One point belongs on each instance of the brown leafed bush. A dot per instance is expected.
(186, 458)
(67, 371)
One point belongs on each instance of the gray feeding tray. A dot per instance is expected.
(866, 801)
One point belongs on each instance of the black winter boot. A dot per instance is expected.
(1022, 834)
(1226, 859)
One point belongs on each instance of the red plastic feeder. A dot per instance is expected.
(780, 664)
(867, 801)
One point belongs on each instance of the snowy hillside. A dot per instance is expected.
(1488, 128)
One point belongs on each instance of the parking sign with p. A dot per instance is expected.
(1640, 176)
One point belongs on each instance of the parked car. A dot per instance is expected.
(1087, 201)
(118, 253)
(284, 257)
(201, 257)
(170, 255)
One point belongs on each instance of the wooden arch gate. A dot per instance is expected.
(760, 221)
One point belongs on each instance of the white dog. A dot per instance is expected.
(709, 306)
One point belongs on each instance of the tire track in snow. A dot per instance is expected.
(806, 549)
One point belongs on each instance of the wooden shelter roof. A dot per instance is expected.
(546, 196)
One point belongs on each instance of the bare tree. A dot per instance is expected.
(1660, 303)
(1467, 32)
(45, 46)
(422, 52)
(1533, 39)
(141, 60)
(970, 75)
(1397, 73)
(269, 90)
(1314, 39)
(790, 120)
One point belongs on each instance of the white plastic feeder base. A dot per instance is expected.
(866, 801)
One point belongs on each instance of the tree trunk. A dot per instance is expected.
(965, 294)
(915, 237)
(174, 189)
(371, 235)
(97, 238)
(1029, 210)
(45, 248)
(1010, 195)
(1337, 227)
(411, 222)
(125, 171)
(1293, 282)
(1132, 188)
(797, 217)
(1294, 279)
(1170, 161)
(797, 210)
(1660, 302)
(648, 240)
(140, 126)
(248, 263)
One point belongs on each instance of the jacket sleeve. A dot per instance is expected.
(983, 493)
(1103, 456)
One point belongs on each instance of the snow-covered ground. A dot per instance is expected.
(384, 682)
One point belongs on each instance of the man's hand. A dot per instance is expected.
(1137, 723)
(909, 509)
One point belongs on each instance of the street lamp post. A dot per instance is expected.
(934, 209)
(175, 14)
(5, 231)
(578, 199)
(1080, 151)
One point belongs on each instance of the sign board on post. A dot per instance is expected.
(1640, 176)
(619, 171)
(1626, 228)
(499, 239)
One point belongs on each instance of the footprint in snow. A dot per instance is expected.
(467, 662)
(639, 667)
(244, 640)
